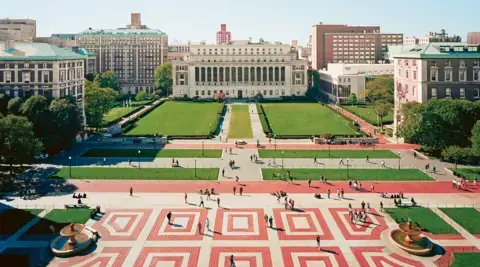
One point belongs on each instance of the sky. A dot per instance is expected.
(272, 20)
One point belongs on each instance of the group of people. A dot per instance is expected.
(231, 163)
(253, 158)
(175, 163)
(386, 195)
(207, 192)
(240, 191)
(79, 195)
(355, 185)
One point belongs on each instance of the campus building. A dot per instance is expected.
(178, 51)
(436, 70)
(18, 30)
(349, 44)
(28, 69)
(473, 38)
(432, 37)
(340, 80)
(223, 36)
(240, 69)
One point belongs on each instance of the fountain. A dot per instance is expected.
(73, 239)
(408, 238)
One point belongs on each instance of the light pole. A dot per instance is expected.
(70, 163)
(154, 138)
(210, 127)
(203, 151)
(348, 173)
(138, 159)
(282, 160)
(195, 167)
(275, 139)
(399, 158)
(329, 150)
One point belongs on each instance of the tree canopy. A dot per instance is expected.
(381, 108)
(352, 99)
(98, 101)
(109, 79)
(163, 77)
(476, 138)
(379, 88)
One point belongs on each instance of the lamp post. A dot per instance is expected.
(399, 158)
(275, 139)
(210, 127)
(195, 167)
(138, 159)
(348, 173)
(329, 150)
(282, 159)
(203, 151)
(154, 138)
(70, 163)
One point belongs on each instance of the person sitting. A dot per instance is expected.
(84, 195)
(391, 196)
(395, 202)
(74, 196)
(317, 195)
(413, 201)
(79, 201)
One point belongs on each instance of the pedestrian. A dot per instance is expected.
(236, 179)
(368, 160)
(270, 220)
(368, 207)
(328, 193)
(475, 181)
(315, 160)
(372, 188)
(223, 172)
(186, 198)
(129, 162)
(383, 164)
(232, 263)
(341, 162)
(131, 191)
(309, 181)
(318, 243)
(104, 161)
(434, 169)
(381, 206)
(208, 195)
(342, 192)
(251, 158)
(208, 224)
(169, 216)
(338, 193)
(266, 219)
(350, 183)
(220, 138)
(199, 226)
(230, 151)
(218, 202)
(201, 202)
(241, 190)
(234, 190)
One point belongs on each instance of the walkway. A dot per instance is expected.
(124, 120)
(257, 128)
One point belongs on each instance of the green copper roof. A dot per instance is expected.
(120, 32)
(37, 51)
(434, 50)
(85, 52)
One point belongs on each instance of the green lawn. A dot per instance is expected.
(468, 218)
(179, 118)
(117, 113)
(428, 220)
(465, 259)
(134, 173)
(305, 119)
(469, 173)
(153, 153)
(367, 113)
(270, 153)
(354, 174)
(12, 220)
(240, 125)
(59, 218)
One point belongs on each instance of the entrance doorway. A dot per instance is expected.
(240, 94)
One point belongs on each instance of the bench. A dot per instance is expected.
(407, 204)
(76, 206)
(95, 232)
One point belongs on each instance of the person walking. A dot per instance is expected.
(199, 226)
(169, 217)
(266, 219)
(131, 191)
(383, 164)
(207, 222)
(241, 190)
(341, 162)
(201, 202)
(318, 243)
(368, 160)
(270, 220)
(309, 181)
(381, 206)
(372, 188)
(328, 193)
(223, 172)
(218, 202)
(186, 198)
(236, 179)
(234, 190)
(315, 160)
(232, 263)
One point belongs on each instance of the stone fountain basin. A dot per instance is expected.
(61, 248)
(421, 247)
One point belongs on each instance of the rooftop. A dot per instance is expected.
(442, 50)
(36, 51)
(120, 32)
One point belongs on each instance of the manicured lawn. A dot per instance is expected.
(153, 153)
(469, 174)
(240, 125)
(354, 174)
(428, 220)
(12, 220)
(465, 259)
(468, 218)
(134, 173)
(305, 119)
(59, 218)
(271, 153)
(179, 118)
(367, 113)
(117, 113)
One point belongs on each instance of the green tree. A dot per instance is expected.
(35, 109)
(381, 108)
(4, 104)
(163, 77)
(66, 122)
(98, 101)
(433, 131)
(476, 138)
(410, 113)
(14, 105)
(18, 145)
(109, 79)
(142, 95)
(352, 99)
(456, 154)
(380, 88)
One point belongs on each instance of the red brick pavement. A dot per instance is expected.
(146, 186)
(240, 253)
(381, 260)
(288, 254)
(296, 146)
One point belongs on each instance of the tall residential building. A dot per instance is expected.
(240, 69)
(136, 22)
(223, 36)
(132, 54)
(436, 70)
(20, 30)
(349, 44)
(473, 38)
(432, 37)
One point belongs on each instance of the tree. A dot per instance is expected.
(98, 101)
(66, 121)
(476, 139)
(4, 104)
(142, 95)
(163, 77)
(381, 108)
(410, 113)
(109, 79)
(456, 154)
(90, 77)
(18, 145)
(433, 131)
(380, 88)
(14, 105)
(352, 99)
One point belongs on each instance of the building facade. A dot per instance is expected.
(19, 30)
(432, 37)
(223, 36)
(473, 38)
(132, 54)
(28, 69)
(436, 70)
(240, 69)
(178, 51)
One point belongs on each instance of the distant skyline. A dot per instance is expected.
(272, 20)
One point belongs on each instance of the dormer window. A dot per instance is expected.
(448, 63)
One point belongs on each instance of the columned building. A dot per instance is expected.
(240, 69)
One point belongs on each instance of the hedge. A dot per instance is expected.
(264, 120)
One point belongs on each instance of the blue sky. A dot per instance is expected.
(273, 20)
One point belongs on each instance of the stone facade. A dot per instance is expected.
(19, 30)
(240, 70)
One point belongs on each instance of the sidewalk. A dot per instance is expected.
(257, 128)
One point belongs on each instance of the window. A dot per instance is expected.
(434, 92)
(448, 63)
(462, 92)
(461, 75)
(476, 93)
(433, 63)
(399, 72)
(196, 92)
(414, 74)
(476, 63)
(462, 63)
(448, 93)
(413, 90)
(26, 77)
(433, 75)
(406, 74)
(448, 75)
(8, 77)
(406, 89)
